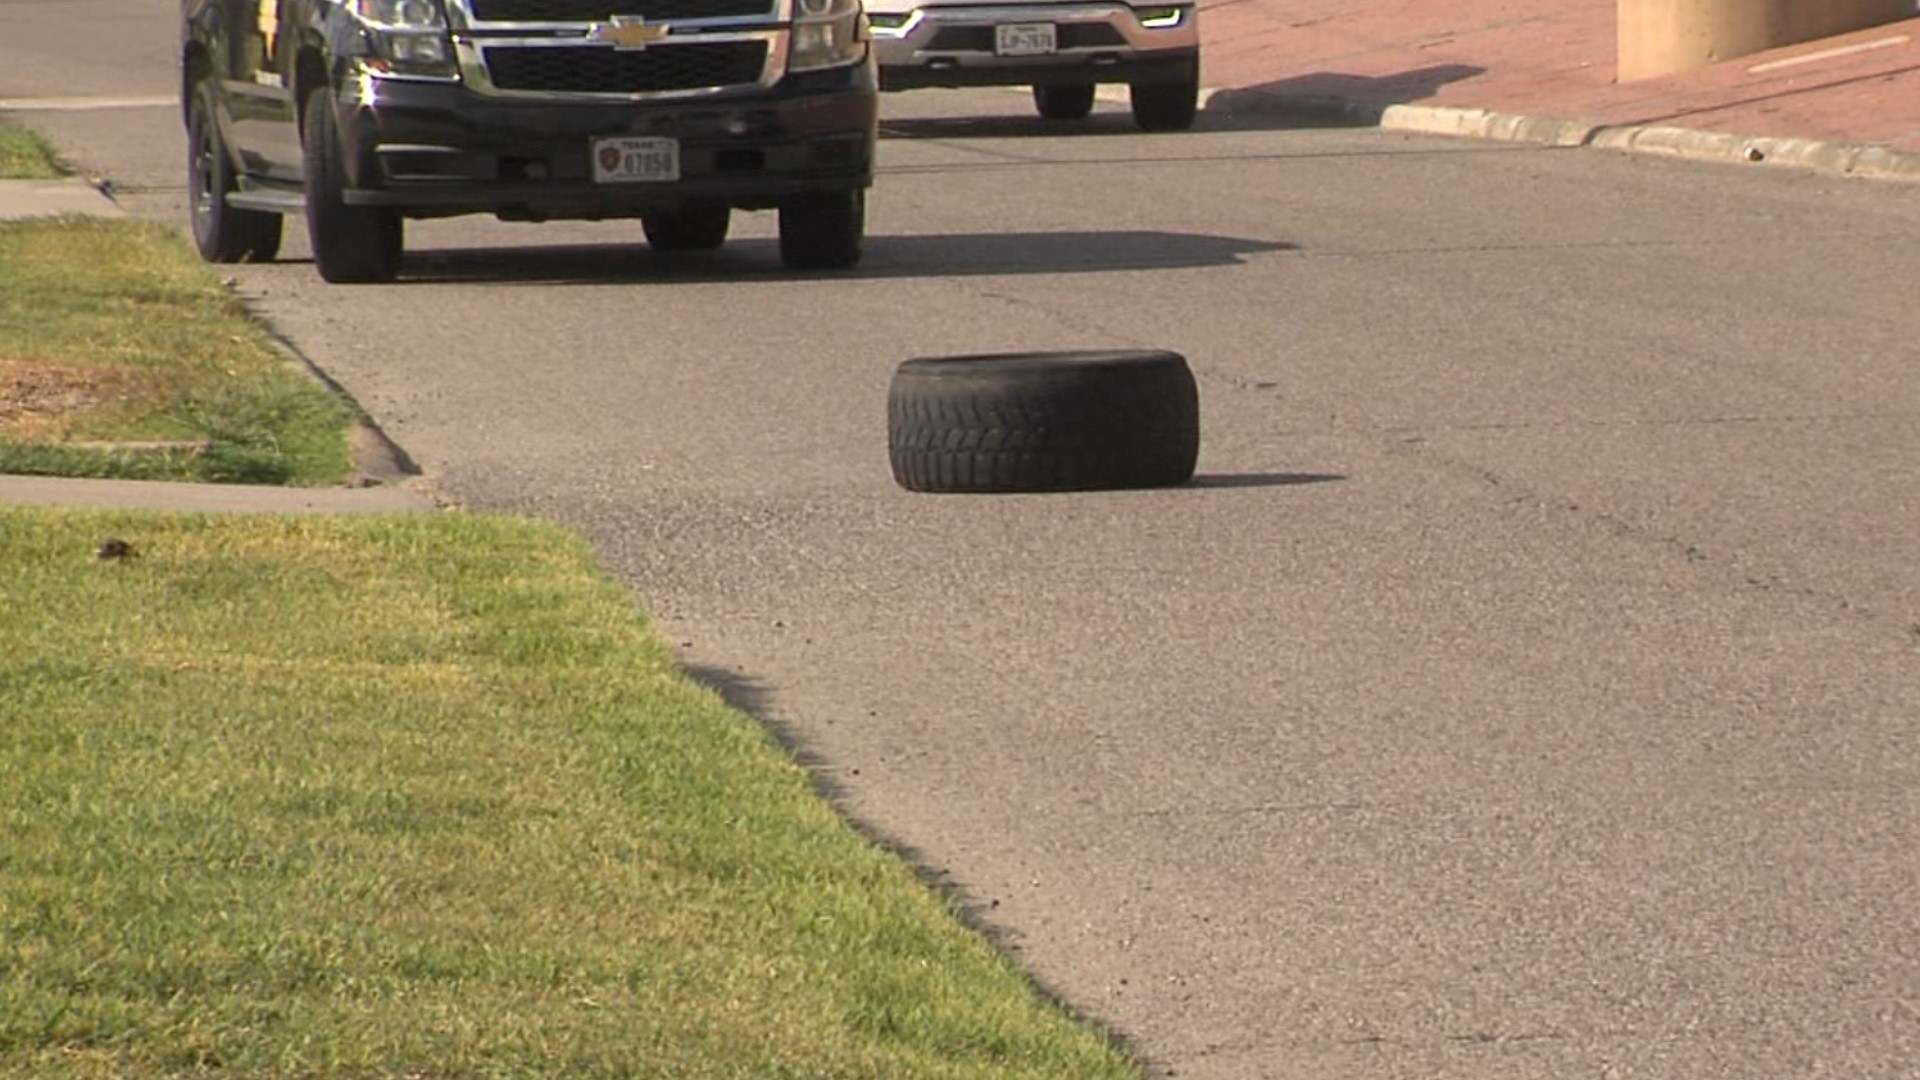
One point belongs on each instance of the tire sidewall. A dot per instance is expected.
(350, 244)
(209, 175)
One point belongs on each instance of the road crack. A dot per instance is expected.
(1772, 584)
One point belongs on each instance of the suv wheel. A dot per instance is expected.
(351, 244)
(1167, 106)
(1063, 101)
(221, 233)
(823, 231)
(693, 227)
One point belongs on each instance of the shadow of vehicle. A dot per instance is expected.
(1318, 100)
(1108, 121)
(1332, 98)
(888, 257)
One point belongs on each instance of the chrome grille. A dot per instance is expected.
(558, 11)
(597, 70)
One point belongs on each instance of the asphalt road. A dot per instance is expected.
(1528, 686)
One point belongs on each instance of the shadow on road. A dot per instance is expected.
(1213, 118)
(750, 696)
(741, 691)
(943, 255)
(1331, 95)
(1251, 480)
(1320, 99)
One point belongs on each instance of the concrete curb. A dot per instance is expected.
(1844, 159)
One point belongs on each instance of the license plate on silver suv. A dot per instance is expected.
(1025, 39)
(635, 160)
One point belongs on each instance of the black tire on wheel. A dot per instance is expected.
(1166, 106)
(823, 231)
(1062, 421)
(221, 233)
(693, 227)
(351, 244)
(1063, 101)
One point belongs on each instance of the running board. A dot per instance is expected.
(277, 202)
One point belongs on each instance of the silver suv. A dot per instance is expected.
(1061, 48)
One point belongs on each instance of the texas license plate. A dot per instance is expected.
(1025, 39)
(633, 159)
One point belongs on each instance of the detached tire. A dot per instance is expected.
(1061, 421)
(351, 244)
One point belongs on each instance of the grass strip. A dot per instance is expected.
(423, 796)
(24, 155)
(122, 356)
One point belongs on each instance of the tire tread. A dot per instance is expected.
(351, 244)
(1133, 423)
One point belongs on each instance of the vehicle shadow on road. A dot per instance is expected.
(1109, 122)
(887, 257)
(1260, 479)
(1320, 99)
(1335, 98)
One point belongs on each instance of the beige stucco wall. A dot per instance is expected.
(1661, 36)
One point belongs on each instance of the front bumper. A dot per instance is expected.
(1096, 42)
(437, 150)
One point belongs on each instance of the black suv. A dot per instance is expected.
(362, 113)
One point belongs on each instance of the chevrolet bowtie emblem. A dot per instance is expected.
(626, 32)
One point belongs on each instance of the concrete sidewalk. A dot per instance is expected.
(207, 498)
(43, 198)
(1543, 71)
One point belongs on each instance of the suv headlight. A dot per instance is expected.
(1162, 18)
(409, 37)
(827, 33)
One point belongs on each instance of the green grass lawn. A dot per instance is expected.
(121, 355)
(423, 796)
(26, 156)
